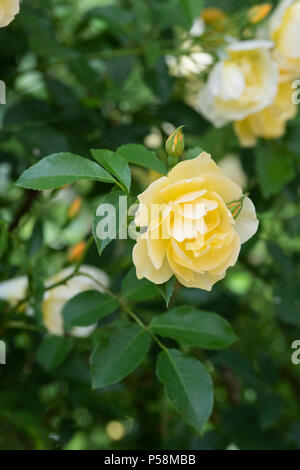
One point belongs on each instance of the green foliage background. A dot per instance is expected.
(90, 74)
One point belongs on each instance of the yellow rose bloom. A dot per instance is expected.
(270, 123)
(8, 10)
(284, 31)
(190, 232)
(242, 83)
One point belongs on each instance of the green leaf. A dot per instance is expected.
(88, 307)
(59, 169)
(137, 289)
(53, 351)
(160, 81)
(188, 385)
(286, 299)
(275, 167)
(177, 12)
(112, 219)
(167, 289)
(193, 327)
(192, 9)
(37, 238)
(116, 165)
(139, 155)
(270, 407)
(118, 354)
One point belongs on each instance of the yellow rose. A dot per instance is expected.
(190, 232)
(243, 83)
(284, 30)
(270, 123)
(8, 10)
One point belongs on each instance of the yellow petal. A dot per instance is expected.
(188, 197)
(192, 168)
(214, 259)
(175, 190)
(157, 248)
(189, 278)
(145, 267)
(52, 317)
(150, 196)
(179, 269)
(203, 281)
(223, 186)
(231, 260)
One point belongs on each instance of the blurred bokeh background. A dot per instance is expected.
(85, 74)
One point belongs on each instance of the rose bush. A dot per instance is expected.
(94, 75)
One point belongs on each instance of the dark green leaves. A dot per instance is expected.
(137, 289)
(192, 9)
(275, 167)
(118, 354)
(53, 351)
(140, 155)
(88, 307)
(59, 169)
(110, 221)
(194, 327)
(116, 165)
(188, 385)
(167, 289)
(177, 12)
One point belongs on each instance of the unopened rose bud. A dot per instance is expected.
(74, 208)
(213, 16)
(175, 143)
(259, 12)
(77, 251)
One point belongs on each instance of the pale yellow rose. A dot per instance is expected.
(193, 234)
(284, 31)
(14, 290)
(242, 83)
(8, 10)
(270, 123)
